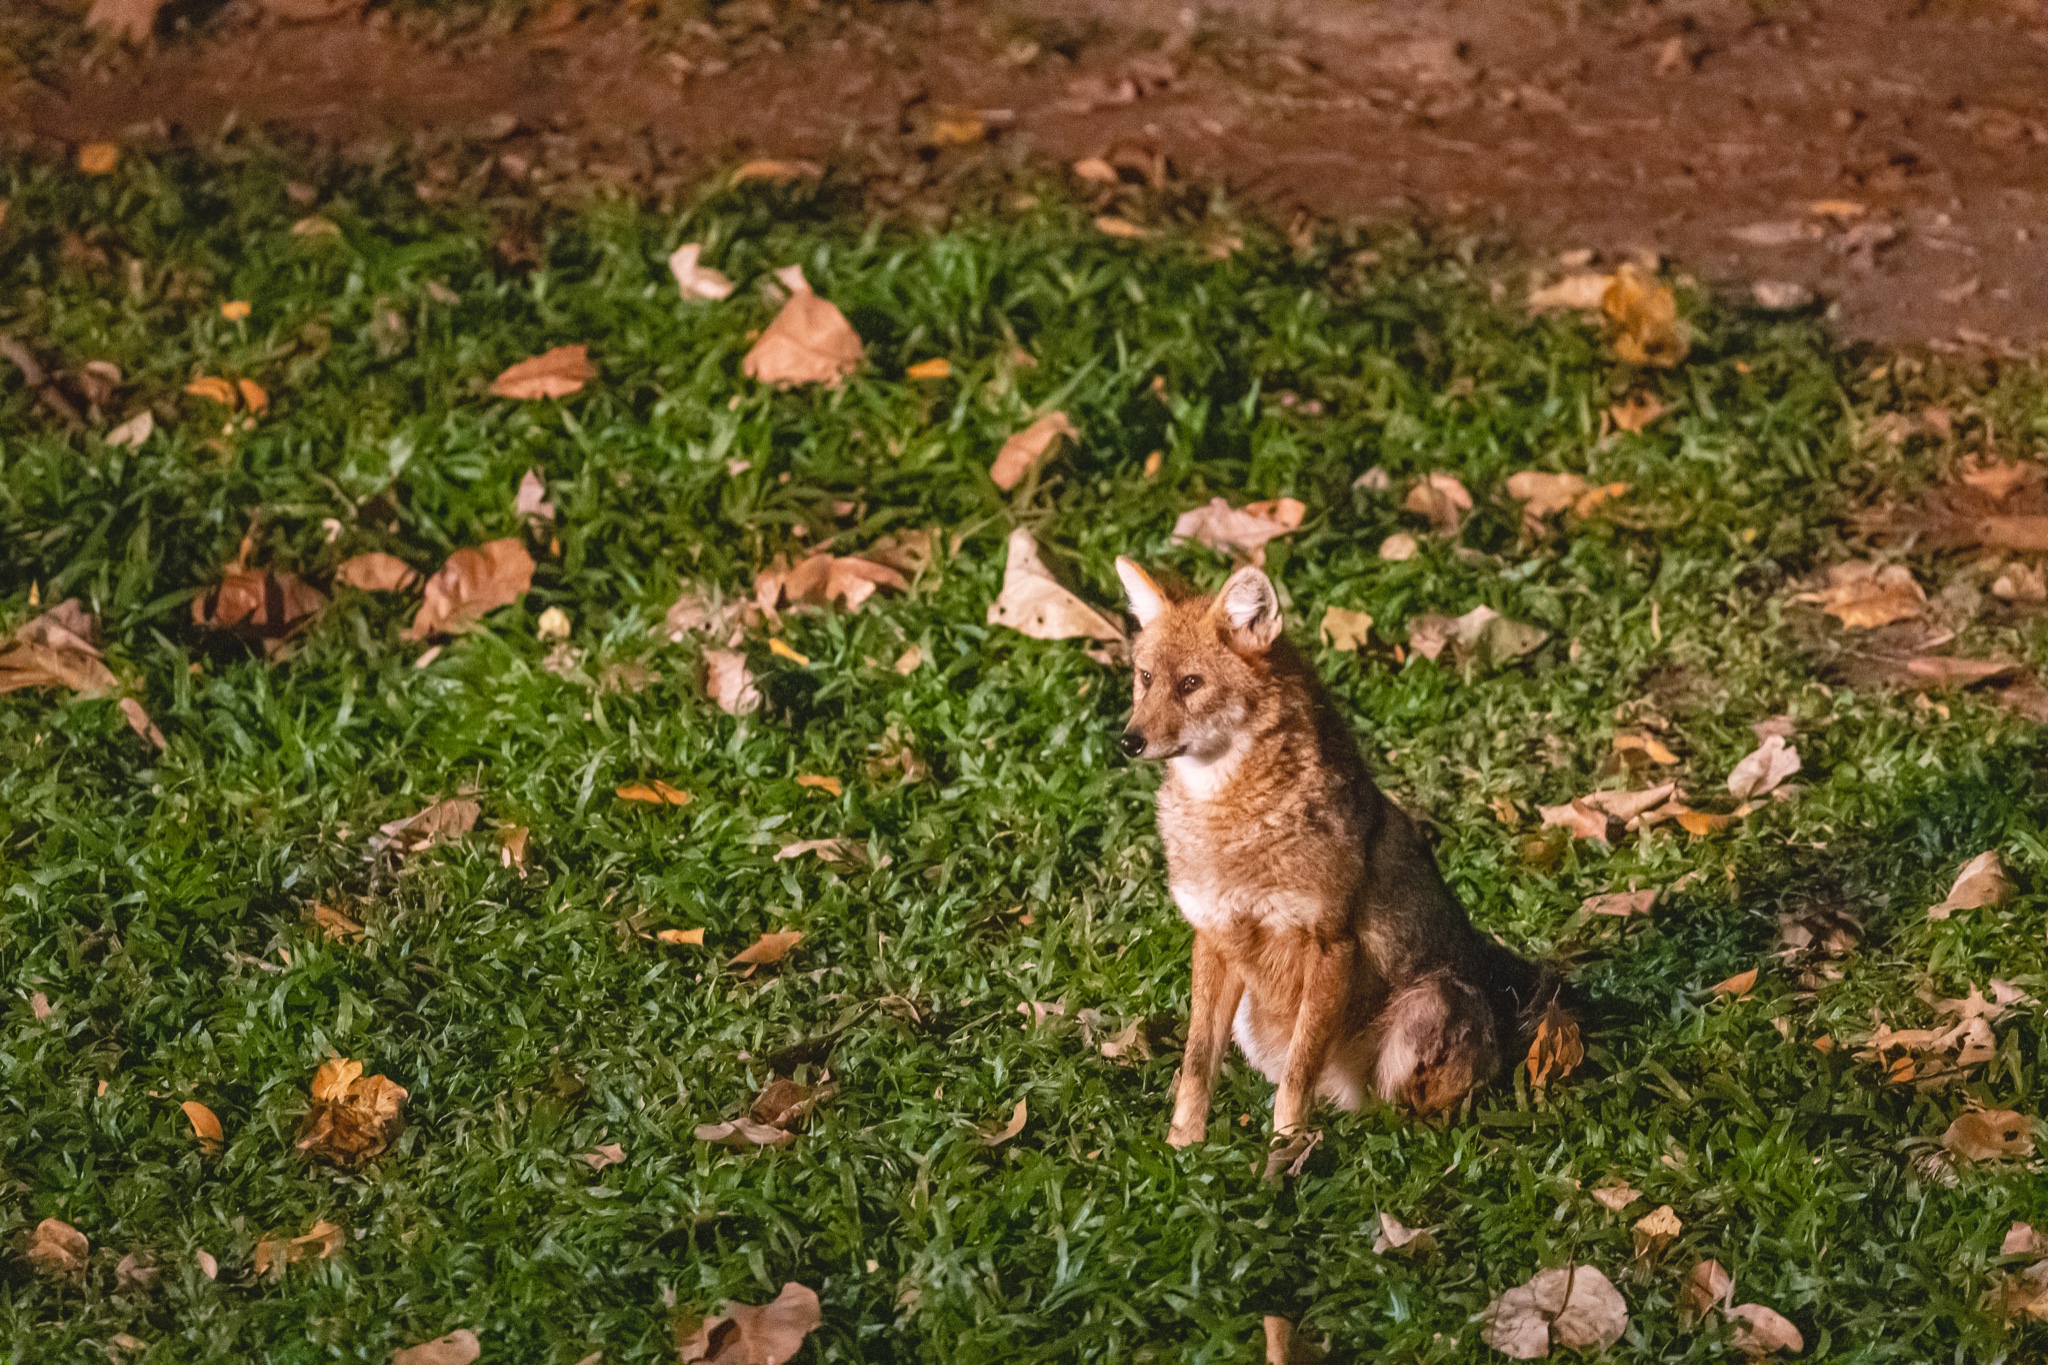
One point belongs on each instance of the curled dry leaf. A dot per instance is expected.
(459, 1347)
(331, 922)
(1621, 904)
(1441, 498)
(743, 1134)
(376, 572)
(1543, 495)
(1649, 746)
(1738, 985)
(681, 938)
(745, 1335)
(1629, 807)
(138, 720)
(137, 1270)
(353, 1117)
(831, 786)
(1555, 1052)
(1024, 450)
(730, 683)
(768, 949)
(828, 850)
(213, 388)
(1990, 1135)
(605, 1154)
(938, 367)
(555, 373)
(1110, 225)
(1581, 292)
(1240, 530)
(809, 342)
(1345, 629)
(1581, 819)
(656, 792)
(821, 579)
(1655, 1231)
(1981, 882)
(531, 501)
(1399, 546)
(1864, 596)
(437, 824)
(695, 279)
(1617, 1196)
(1637, 412)
(205, 1125)
(773, 171)
(2022, 1240)
(133, 432)
(1642, 317)
(1761, 1331)
(58, 1251)
(1033, 603)
(1763, 769)
(1397, 1236)
(319, 1242)
(1575, 1306)
(2017, 582)
(553, 624)
(1002, 1133)
(1708, 1288)
(1481, 636)
(784, 1102)
(472, 583)
(263, 603)
(56, 649)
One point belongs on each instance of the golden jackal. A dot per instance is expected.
(1326, 942)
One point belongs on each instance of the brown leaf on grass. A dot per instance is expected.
(253, 396)
(1655, 1231)
(1399, 546)
(1738, 985)
(1110, 225)
(266, 604)
(1700, 823)
(353, 1117)
(809, 342)
(530, 502)
(58, 1251)
(821, 579)
(777, 171)
(1760, 1331)
(138, 720)
(1617, 1196)
(1002, 1133)
(472, 583)
(1943, 671)
(1864, 595)
(745, 1335)
(1482, 635)
(1582, 820)
(1649, 746)
(1555, 1052)
(459, 1347)
(331, 922)
(1636, 412)
(318, 1242)
(137, 1270)
(1622, 904)
(1543, 494)
(1033, 603)
(437, 824)
(831, 786)
(1581, 292)
(2020, 582)
(680, 938)
(99, 158)
(2022, 1240)
(1345, 629)
(783, 1103)
(1981, 882)
(730, 683)
(605, 1154)
(1708, 1288)
(1240, 530)
(829, 850)
(376, 572)
(1628, 806)
(1398, 1236)
(1642, 317)
(1574, 1306)
(768, 949)
(1442, 498)
(1990, 1135)
(695, 279)
(656, 792)
(128, 21)
(1762, 770)
(56, 649)
(133, 432)
(1024, 450)
(556, 373)
(205, 1125)
(744, 1134)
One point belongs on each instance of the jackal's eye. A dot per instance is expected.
(1190, 685)
(1144, 678)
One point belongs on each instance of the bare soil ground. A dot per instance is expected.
(1706, 131)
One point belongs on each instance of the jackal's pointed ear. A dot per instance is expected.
(1147, 599)
(1250, 607)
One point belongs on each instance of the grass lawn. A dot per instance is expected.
(156, 944)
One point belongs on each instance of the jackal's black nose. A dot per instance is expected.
(1133, 743)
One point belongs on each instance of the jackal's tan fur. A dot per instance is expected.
(1325, 941)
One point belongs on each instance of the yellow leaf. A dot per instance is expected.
(656, 793)
(205, 1125)
(99, 158)
(781, 649)
(680, 937)
(828, 785)
(1643, 322)
(938, 367)
(234, 310)
(213, 387)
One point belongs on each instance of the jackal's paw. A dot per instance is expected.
(1186, 1134)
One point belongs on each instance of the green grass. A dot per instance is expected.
(159, 900)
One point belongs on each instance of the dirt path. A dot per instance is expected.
(1703, 131)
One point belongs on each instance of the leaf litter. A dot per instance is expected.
(1027, 449)
(352, 1118)
(745, 1335)
(1240, 530)
(809, 342)
(1574, 1306)
(1034, 603)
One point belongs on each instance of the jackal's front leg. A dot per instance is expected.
(1325, 997)
(1217, 988)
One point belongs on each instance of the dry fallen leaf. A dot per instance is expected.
(438, 823)
(908, 661)
(58, 1251)
(1981, 882)
(1481, 636)
(1240, 530)
(56, 649)
(1708, 1288)
(1345, 629)
(938, 367)
(353, 1117)
(681, 938)
(1864, 596)
(99, 158)
(472, 583)
(1399, 546)
(821, 579)
(235, 310)
(1443, 499)
(996, 1137)
(743, 1134)
(205, 1125)
(745, 1335)
(555, 373)
(1617, 1196)
(531, 503)
(1572, 1305)
(768, 949)
(338, 927)
(656, 792)
(1622, 904)
(1110, 225)
(266, 604)
(376, 572)
(2022, 1240)
(1582, 820)
(827, 850)
(1989, 1134)
(459, 1347)
(1542, 494)
(697, 281)
(1738, 985)
(1635, 413)
(1643, 323)
(605, 1154)
(784, 1102)
(730, 683)
(130, 21)
(213, 388)
(1033, 602)
(318, 1243)
(1762, 770)
(1025, 449)
(1759, 1331)
(2017, 582)
(1655, 1231)
(1582, 292)
(133, 432)
(1555, 1052)
(831, 786)
(777, 172)
(1397, 1236)
(809, 342)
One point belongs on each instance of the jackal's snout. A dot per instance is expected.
(1132, 743)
